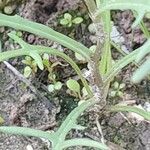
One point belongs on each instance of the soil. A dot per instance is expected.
(33, 106)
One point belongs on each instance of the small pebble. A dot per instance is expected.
(29, 147)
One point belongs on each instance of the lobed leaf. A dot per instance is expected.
(140, 6)
(19, 23)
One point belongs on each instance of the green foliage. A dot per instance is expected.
(73, 85)
(139, 111)
(74, 88)
(106, 71)
(68, 20)
(117, 89)
(8, 10)
(80, 57)
(19, 23)
(140, 6)
(32, 68)
(144, 69)
(58, 138)
(55, 86)
(92, 28)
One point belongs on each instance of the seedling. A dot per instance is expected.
(68, 20)
(31, 66)
(54, 87)
(117, 89)
(74, 89)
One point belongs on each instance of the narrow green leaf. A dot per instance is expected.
(117, 67)
(71, 119)
(27, 132)
(144, 50)
(79, 127)
(138, 18)
(19, 23)
(140, 6)
(141, 72)
(84, 142)
(139, 111)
